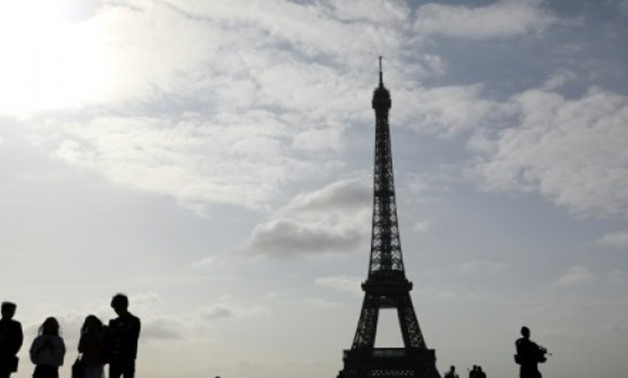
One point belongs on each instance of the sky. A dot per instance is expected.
(213, 161)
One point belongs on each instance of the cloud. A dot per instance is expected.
(238, 119)
(337, 196)
(479, 267)
(569, 150)
(289, 237)
(617, 239)
(559, 79)
(343, 283)
(503, 19)
(445, 110)
(164, 328)
(331, 220)
(228, 308)
(214, 103)
(228, 159)
(575, 275)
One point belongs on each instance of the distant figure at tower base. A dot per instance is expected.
(451, 373)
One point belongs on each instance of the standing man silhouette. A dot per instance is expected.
(528, 356)
(121, 339)
(11, 338)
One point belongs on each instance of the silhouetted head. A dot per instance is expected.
(452, 368)
(525, 332)
(8, 310)
(120, 303)
(91, 324)
(50, 327)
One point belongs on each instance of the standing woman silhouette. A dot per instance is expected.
(91, 347)
(47, 350)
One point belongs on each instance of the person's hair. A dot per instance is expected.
(91, 324)
(50, 327)
(120, 300)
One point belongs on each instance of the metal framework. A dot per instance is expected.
(386, 285)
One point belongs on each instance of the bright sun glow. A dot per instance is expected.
(48, 62)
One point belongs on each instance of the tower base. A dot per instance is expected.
(389, 363)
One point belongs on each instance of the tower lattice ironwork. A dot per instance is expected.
(386, 286)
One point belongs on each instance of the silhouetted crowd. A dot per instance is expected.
(475, 372)
(99, 345)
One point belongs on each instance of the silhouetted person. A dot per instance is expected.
(451, 373)
(121, 339)
(529, 355)
(92, 348)
(473, 373)
(47, 350)
(11, 338)
(480, 373)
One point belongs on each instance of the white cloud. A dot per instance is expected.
(379, 11)
(569, 150)
(332, 220)
(273, 114)
(559, 79)
(445, 110)
(345, 284)
(340, 195)
(617, 239)
(163, 328)
(228, 308)
(230, 159)
(237, 54)
(575, 275)
(290, 237)
(503, 19)
(278, 94)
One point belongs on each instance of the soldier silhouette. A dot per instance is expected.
(529, 355)
(11, 338)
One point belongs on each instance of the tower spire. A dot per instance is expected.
(381, 75)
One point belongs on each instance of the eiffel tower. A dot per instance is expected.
(386, 286)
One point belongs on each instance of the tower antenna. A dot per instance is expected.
(381, 75)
